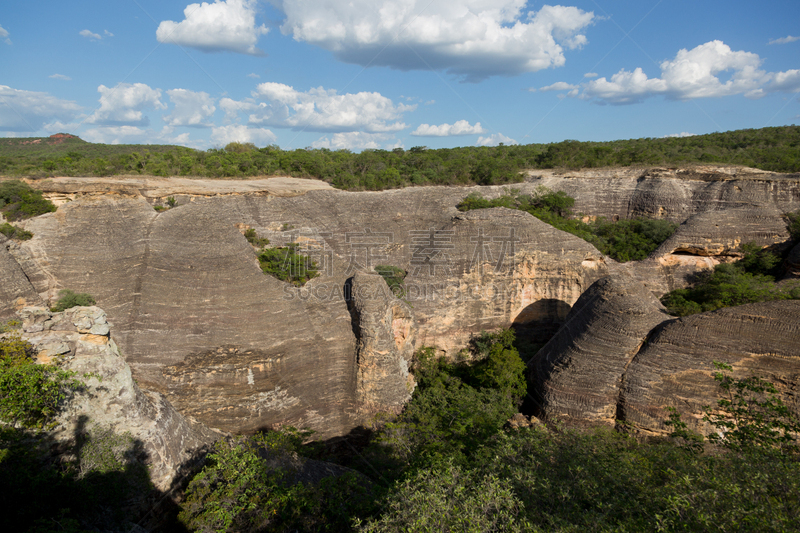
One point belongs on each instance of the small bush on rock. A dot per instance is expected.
(68, 298)
(18, 200)
(13, 232)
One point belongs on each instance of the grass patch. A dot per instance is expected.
(393, 276)
(253, 238)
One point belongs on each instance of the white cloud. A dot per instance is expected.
(108, 33)
(191, 108)
(60, 77)
(494, 140)
(4, 35)
(470, 38)
(124, 104)
(116, 135)
(323, 109)
(222, 26)
(355, 140)
(232, 108)
(462, 127)
(788, 81)
(28, 111)
(253, 75)
(681, 134)
(591, 75)
(90, 35)
(223, 135)
(784, 40)
(559, 86)
(709, 70)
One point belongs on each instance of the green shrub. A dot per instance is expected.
(288, 265)
(794, 225)
(394, 277)
(448, 498)
(745, 281)
(13, 232)
(624, 240)
(68, 298)
(30, 394)
(249, 484)
(18, 200)
(253, 238)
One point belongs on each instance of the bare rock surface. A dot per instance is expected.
(386, 331)
(80, 339)
(16, 290)
(576, 376)
(675, 368)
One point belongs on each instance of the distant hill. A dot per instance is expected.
(775, 149)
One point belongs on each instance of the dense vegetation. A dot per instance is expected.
(749, 280)
(776, 149)
(450, 463)
(624, 240)
(18, 201)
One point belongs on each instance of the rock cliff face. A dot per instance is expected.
(675, 369)
(386, 331)
(200, 323)
(577, 375)
(81, 338)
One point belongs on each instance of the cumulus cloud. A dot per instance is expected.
(462, 127)
(559, 86)
(681, 134)
(116, 135)
(28, 111)
(784, 40)
(124, 104)
(222, 26)
(591, 75)
(191, 109)
(474, 39)
(60, 77)
(355, 140)
(4, 35)
(494, 140)
(321, 109)
(90, 35)
(709, 70)
(223, 135)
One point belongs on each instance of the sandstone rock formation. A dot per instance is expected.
(576, 377)
(199, 322)
(16, 290)
(675, 368)
(386, 331)
(80, 338)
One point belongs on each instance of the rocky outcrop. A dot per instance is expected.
(79, 339)
(706, 240)
(576, 376)
(675, 368)
(386, 333)
(199, 322)
(16, 290)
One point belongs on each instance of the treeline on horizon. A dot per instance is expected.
(775, 149)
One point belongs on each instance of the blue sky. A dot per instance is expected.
(361, 74)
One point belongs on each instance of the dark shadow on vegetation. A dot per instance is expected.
(98, 482)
